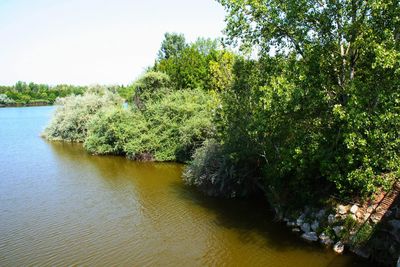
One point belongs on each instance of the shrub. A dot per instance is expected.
(112, 128)
(217, 172)
(169, 129)
(177, 123)
(4, 99)
(149, 86)
(71, 118)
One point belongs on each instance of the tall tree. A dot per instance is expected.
(335, 102)
(172, 45)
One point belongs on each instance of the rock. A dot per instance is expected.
(398, 262)
(354, 209)
(395, 224)
(305, 227)
(338, 230)
(296, 230)
(362, 252)
(290, 224)
(338, 247)
(397, 213)
(374, 218)
(331, 219)
(300, 220)
(342, 209)
(325, 239)
(320, 214)
(315, 225)
(310, 236)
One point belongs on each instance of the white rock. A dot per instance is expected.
(398, 262)
(305, 227)
(315, 225)
(320, 214)
(354, 209)
(325, 239)
(338, 247)
(331, 219)
(310, 236)
(290, 224)
(296, 230)
(300, 220)
(374, 218)
(342, 209)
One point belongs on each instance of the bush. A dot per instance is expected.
(177, 123)
(4, 99)
(70, 120)
(112, 128)
(148, 86)
(169, 129)
(217, 172)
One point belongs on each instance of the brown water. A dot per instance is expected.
(60, 206)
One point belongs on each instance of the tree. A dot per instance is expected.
(331, 101)
(172, 45)
(206, 46)
(341, 32)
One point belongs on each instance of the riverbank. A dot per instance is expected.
(62, 206)
(369, 228)
(33, 104)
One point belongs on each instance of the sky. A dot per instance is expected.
(85, 42)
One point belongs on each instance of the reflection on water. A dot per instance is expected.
(61, 206)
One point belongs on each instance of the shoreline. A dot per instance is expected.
(36, 104)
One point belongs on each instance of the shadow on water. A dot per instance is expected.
(254, 215)
(384, 242)
(250, 219)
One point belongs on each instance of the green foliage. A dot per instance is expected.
(23, 93)
(4, 99)
(197, 65)
(170, 128)
(217, 172)
(171, 46)
(152, 84)
(362, 235)
(221, 71)
(70, 120)
(177, 124)
(112, 128)
(322, 112)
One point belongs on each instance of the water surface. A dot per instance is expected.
(60, 206)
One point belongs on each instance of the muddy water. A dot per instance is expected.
(60, 206)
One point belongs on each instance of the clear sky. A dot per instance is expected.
(94, 41)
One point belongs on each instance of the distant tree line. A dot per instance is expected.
(23, 93)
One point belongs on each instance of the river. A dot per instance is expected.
(61, 206)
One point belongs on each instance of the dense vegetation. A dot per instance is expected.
(162, 122)
(23, 93)
(316, 112)
(168, 128)
(71, 119)
(319, 111)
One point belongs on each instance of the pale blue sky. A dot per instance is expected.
(94, 41)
